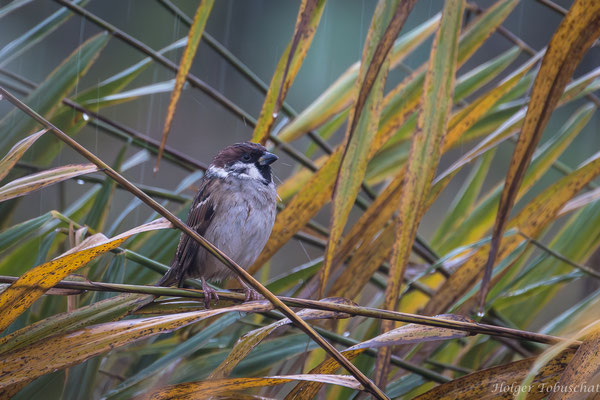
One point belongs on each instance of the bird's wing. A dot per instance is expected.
(199, 219)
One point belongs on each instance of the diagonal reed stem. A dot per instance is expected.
(239, 271)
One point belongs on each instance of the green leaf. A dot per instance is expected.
(339, 95)
(423, 159)
(177, 353)
(576, 33)
(16, 233)
(50, 93)
(480, 220)
(465, 199)
(36, 34)
(63, 350)
(12, 6)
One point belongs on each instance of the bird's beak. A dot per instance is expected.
(267, 159)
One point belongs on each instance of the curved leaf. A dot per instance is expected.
(34, 35)
(250, 340)
(501, 382)
(195, 390)
(411, 333)
(423, 159)
(339, 95)
(17, 151)
(31, 183)
(399, 102)
(532, 220)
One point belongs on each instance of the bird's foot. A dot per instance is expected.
(250, 294)
(209, 293)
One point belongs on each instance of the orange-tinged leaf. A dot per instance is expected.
(66, 349)
(205, 389)
(34, 283)
(17, 152)
(31, 183)
(288, 66)
(363, 118)
(194, 35)
(532, 220)
(576, 33)
(501, 382)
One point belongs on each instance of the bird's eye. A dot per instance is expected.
(245, 157)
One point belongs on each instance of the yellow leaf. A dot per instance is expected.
(205, 389)
(17, 151)
(34, 283)
(411, 333)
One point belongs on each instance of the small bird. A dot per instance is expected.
(234, 210)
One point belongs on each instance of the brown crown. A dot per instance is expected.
(234, 153)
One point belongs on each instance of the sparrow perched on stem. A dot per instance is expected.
(234, 210)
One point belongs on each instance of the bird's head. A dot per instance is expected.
(244, 160)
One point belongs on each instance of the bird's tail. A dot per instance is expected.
(169, 279)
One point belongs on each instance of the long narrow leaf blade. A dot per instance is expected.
(288, 66)
(68, 349)
(31, 183)
(194, 35)
(363, 119)
(317, 191)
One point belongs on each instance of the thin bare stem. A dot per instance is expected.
(583, 268)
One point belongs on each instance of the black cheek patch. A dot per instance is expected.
(265, 171)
